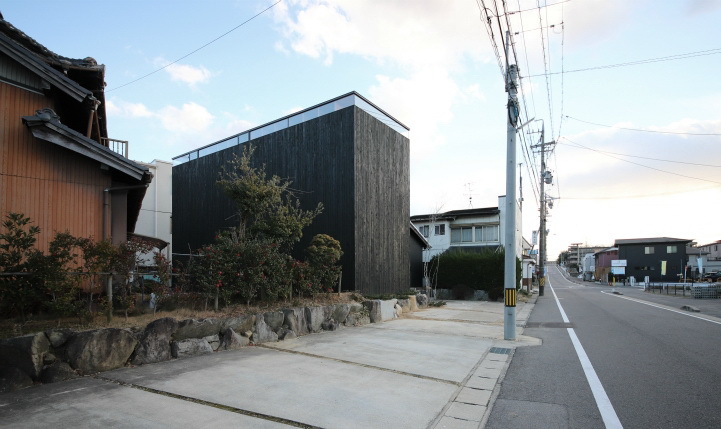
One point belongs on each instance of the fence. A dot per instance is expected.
(699, 291)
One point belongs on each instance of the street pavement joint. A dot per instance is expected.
(210, 404)
(348, 362)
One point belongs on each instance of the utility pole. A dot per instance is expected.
(509, 279)
(546, 178)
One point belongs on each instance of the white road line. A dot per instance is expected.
(662, 307)
(608, 414)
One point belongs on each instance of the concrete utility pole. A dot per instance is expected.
(545, 179)
(509, 279)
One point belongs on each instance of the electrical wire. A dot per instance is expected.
(643, 165)
(706, 52)
(546, 67)
(640, 157)
(645, 131)
(196, 50)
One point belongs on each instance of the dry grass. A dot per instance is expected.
(13, 328)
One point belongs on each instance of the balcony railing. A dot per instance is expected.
(117, 146)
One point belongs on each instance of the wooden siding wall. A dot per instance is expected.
(57, 189)
(382, 200)
(354, 164)
(317, 156)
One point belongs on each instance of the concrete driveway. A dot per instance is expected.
(437, 368)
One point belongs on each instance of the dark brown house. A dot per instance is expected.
(57, 165)
(345, 153)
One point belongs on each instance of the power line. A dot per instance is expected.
(196, 50)
(576, 145)
(714, 51)
(645, 131)
(645, 166)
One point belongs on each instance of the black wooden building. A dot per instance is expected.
(346, 153)
(662, 259)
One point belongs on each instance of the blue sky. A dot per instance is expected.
(431, 65)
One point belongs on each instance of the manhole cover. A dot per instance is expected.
(500, 351)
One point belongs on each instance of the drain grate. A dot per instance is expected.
(500, 350)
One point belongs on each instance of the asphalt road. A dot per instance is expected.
(657, 365)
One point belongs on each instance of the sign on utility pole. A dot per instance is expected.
(509, 280)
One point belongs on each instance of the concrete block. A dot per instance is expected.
(463, 411)
(474, 396)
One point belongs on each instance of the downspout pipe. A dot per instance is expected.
(106, 204)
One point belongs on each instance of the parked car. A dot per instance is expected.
(712, 277)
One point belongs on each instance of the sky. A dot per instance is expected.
(629, 91)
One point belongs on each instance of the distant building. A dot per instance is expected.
(602, 263)
(474, 230)
(155, 219)
(713, 256)
(345, 153)
(662, 259)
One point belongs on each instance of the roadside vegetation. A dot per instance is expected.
(246, 266)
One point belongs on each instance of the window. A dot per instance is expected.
(671, 249)
(648, 250)
(440, 229)
(462, 235)
(487, 233)
(424, 229)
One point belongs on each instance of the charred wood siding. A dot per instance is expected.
(59, 190)
(382, 200)
(321, 158)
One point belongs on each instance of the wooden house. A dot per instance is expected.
(57, 164)
(345, 153)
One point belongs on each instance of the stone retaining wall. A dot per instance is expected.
(63, 354)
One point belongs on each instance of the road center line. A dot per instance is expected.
(608, 414)
(640, 301)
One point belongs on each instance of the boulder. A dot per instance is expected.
(58, 337)
(262, 332)
(295, 320)
(100, 350)
(13, 378)
(58, 371)
(238, 324)
(274, 319)
(213, 340)
(26, 353)
(340, 312)
(286, 334)
(154, 344)
(357, 315)
(190, 347)
(413, 303)
(405, 305)
(422, 300)
(329, 325)
(388, 309)
(232, 341)
(197, 328)
(374, 310)
(315, 317)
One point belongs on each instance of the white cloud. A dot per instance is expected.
(190, 118)
(123, 108)
(415, 34)
(185, 73)
(423, 102)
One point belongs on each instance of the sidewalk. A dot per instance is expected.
(437, 368)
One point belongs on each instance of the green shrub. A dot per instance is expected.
(463, 272)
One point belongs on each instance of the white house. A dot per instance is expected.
(472, 229)
(154, 220)
(712, 261)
